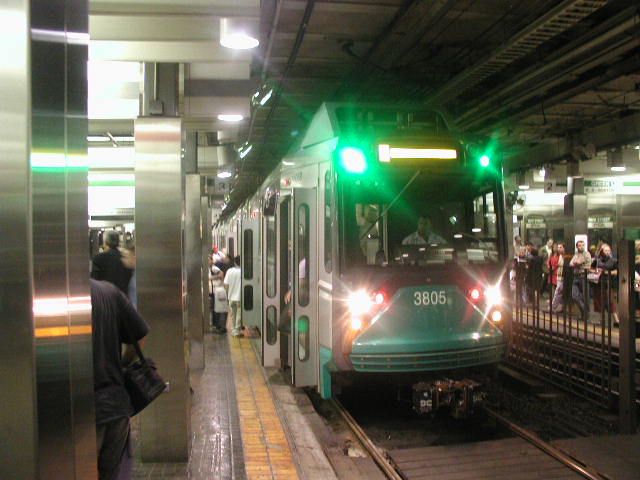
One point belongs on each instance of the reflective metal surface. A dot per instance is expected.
(205, 220)
(159, 233)
(193, 264)
(61, 303)
(18, 436)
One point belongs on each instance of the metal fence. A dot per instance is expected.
(567, 334)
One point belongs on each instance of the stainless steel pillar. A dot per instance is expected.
(61, 303)
(18, 415)
(193, 263)
(160, 190)
(626, 312)
(575, 208)
(205, 219)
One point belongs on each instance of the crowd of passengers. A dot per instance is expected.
(551, 279)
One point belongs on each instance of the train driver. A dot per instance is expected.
(424, 235)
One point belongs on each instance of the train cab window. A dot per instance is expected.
(271, 256)
(303, 254)
(327, 221)
(419, 218)
(247, 254)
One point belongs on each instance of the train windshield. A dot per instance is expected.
(418, 218)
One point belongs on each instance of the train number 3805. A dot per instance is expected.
(433, 297)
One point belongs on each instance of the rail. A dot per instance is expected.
(384, 464)
(562, 457)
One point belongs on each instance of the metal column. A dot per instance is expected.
(18, 416)
(193, 263)
(575, 208)
(160, 190)
(626, 304)
(205, 218)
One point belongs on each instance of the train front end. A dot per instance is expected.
(423, 257)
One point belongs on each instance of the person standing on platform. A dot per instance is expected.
(232, 281)
(114, 322)
(581, 263)
(221, 307)
(552, 269)
(545, 253)
(109, 265)
(557, 304)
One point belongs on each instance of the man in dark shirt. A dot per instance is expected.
(108, 265)
(114, 321)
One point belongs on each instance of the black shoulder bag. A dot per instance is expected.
(142, 381)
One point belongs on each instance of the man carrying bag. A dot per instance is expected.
(114, 321)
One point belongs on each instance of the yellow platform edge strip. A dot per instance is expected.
(267, 454)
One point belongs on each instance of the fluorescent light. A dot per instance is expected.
(386, 153)
(96, 138)
(523, 187)
(457, 235)
(266, 98)
(230, 117)
(618, 169)
(245, 152)
(224, 174)
(542, 172)
(236, 33)
(476, 230)
(124, 139)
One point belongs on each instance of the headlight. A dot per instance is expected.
(493, 296)
(496, 316)
(359, 303)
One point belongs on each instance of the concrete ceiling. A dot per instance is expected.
(535, 75)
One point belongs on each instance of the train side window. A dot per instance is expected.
(271, 256)
(247, 255)
(303, 338)
(272, 325)
(231, 250)
(303, 249)
(247, 298)
(327, 221)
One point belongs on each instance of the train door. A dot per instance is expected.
(271, 287)
(250, 266)
(304, 331)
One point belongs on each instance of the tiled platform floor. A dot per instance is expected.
(216, 446)
(236, 431)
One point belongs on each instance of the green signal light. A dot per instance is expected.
(353, 160)
(484, 160)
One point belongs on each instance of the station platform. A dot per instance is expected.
(238, 431)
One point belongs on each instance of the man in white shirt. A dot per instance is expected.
(424, 235)
(232, 281)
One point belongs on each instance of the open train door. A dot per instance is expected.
(250, 262)
(305, 308)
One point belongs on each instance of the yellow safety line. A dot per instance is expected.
(267, 454)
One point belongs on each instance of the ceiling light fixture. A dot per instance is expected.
(226, 117)
(245, 151)
(224, 174)
(266, 97)
(238, 33)
(615, 161)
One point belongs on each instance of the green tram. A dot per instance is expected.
(377, 246)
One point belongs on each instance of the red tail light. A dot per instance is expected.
(475, 294)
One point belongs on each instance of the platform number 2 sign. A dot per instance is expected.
(550, 185)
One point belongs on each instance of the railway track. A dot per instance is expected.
(392, 470)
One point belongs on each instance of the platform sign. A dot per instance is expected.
(550, 185)
(600, 221)
(599, 186)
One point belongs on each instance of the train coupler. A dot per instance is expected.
(461, 397)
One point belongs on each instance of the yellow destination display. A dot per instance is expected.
(386, 153)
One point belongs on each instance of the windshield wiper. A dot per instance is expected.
(411, 180)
